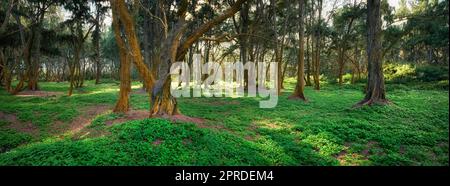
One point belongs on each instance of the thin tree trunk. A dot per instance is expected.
(341, 66)
(308, 63)
(300, 86)
(317, 51)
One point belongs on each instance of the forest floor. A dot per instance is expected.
(50, 128)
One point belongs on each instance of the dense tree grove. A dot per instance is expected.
(314, 41)
(224, 82)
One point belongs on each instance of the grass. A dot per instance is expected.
(324, 131)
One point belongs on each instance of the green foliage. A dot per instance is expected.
(398, 73)
(10, 139)
(406, 73)
(430, 73)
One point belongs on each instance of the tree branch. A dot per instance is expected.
(206, 27)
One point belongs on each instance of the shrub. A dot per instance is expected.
(348, 77)
(429, 73)
(396, 73)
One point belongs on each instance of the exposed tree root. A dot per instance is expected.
(371, 101)
(298, 97)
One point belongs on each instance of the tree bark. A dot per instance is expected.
(129, 27)
(341, 64)
(308, 63)
(316, 58)
(375, 93)
(123, 104)
(300, 85)
(32, 73)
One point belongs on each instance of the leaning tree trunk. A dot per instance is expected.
(129, 27)
(375, 93)
(123, 19)
(123, 103)
(300, 86)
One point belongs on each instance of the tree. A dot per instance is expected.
(344, 22)
(316, 47)
(375, 93)
(127, 47)
(100, 10)
(300, 85)
(32, 54)
(80, 17)
(123, 103)
(174, 48)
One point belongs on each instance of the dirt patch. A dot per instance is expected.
(90, 133)
(344, 152)
(370, 145)
(14, 123)
(187, 141)
(130, 115)
(29, 93)
(78, 125)
(402, 149)
(350, 159)
(252, 137)
(157, 142)
(252, 127)
(80, 122)
(88, 114)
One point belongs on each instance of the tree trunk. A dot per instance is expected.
(74, 70)
(308, 63)
(317, 50)
(300, 86)
(123, 104)
(341, 66)
(375, 93)
(98, 67)
(283, 74)
(129, 27)
(33, 58)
